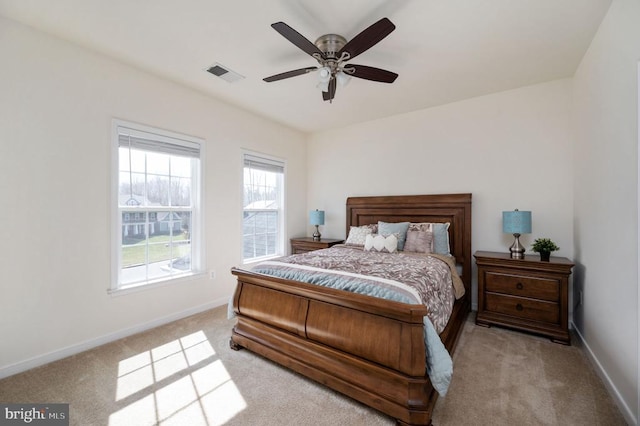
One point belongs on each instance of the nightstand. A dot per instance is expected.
(303, 245)
(525, 294)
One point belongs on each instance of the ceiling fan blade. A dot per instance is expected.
(296, 38)
(329, 95)
(368, 38)
(370, 73)
(289, 74)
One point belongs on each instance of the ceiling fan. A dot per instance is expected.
(332, 51)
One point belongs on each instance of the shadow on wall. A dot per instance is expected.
(577, 305)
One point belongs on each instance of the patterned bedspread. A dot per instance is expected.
(403, 277)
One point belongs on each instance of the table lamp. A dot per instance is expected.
(316, 217)
(516, 222)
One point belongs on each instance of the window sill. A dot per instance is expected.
(260, 259)
(137, 287)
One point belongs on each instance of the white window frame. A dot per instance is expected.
(197, 205)
(268, 159)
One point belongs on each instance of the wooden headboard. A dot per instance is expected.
(452, 208)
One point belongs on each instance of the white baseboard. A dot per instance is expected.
(39, 360)
(613, 391)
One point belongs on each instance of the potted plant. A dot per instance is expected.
(544, 246)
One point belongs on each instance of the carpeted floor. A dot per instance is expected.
(184, 373)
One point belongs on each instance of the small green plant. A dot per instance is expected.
(544, 245)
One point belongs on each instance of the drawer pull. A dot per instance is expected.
(519, 307)
(519, 286)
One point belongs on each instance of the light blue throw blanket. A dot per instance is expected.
(439, 363)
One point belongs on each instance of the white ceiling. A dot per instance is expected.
(443, 50)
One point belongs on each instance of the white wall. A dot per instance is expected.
(56, 106)
(605, 109)
(510, 150)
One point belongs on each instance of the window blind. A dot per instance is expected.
(136, 139)
(261, 163)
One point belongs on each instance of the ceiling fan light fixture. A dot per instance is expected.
(324, 86)
(342, 78)
(324, 75)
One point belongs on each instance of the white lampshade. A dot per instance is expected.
(324, 77)
(323, 86)
(342, 78)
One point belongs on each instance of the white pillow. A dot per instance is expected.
(376, 242)
(357, 235)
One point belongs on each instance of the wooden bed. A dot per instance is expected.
(370, 349)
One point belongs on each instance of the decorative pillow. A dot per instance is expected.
(357, 235)
(422, 226)
(440, 235)
(377, 242)
(385, 228)
(419, 241)
(373, 227)
(441, 238)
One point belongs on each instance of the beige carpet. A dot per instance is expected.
(185, 374)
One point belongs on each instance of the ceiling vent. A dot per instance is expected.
(224, 73)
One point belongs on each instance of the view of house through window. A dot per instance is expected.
(262, 207)
(158, 205)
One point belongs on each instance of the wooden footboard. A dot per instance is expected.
(370, 349)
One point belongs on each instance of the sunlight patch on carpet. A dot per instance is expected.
(180, 382)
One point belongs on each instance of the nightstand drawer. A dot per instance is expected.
(519, 307)
(304, 248)
(304, 245)
(533, 287)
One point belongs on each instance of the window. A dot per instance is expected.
(263, 215)
(157, 205)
